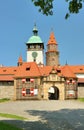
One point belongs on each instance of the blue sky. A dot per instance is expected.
(17, 18)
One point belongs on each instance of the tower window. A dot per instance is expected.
(34, 46)
(34, 60)
(31, 46)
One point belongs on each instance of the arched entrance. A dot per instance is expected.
(53, 93)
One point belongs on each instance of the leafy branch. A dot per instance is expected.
(46, 6)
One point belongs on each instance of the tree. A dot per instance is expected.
(46, 6)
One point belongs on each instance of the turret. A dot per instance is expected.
(52, 54)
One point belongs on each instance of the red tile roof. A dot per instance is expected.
(8, 70)
(31, 69)
(77, 68)
(6, 78)
(66, 71)
(45, 70)
(28, 69)
(7, 73)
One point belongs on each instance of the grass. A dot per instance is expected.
(5, 126)
(81, 99)
(4, 100)
(12, 116)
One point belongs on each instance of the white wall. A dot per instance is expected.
(39, 57)
(80, 75)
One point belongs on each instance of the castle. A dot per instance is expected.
(34, 80)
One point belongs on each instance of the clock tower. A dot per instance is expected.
(35, 48)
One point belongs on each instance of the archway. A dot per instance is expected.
(53, 93)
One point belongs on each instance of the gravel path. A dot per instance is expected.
(46, 115)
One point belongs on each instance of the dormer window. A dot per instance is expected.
(14, 70)
(81, 69)
(28, 68)
(4, 70)
(58, 70)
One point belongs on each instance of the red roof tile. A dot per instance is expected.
(28, 69)
(45, 70)
(66, 71)
(52, 39)
(6, 78)
(31, 69)
(77, 68)
(8, 70)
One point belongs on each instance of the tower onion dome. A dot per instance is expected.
(35, 38)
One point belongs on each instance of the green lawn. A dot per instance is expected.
(4, 100)
(81, 99)
(12, 116)
(5, 126)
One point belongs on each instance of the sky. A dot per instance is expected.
(17, 19)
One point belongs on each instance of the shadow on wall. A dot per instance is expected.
(65, 119)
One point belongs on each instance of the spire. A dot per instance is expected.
(66, 63)
(35, 30)
(52, 39)
(20, 61)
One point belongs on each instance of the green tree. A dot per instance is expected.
(46, 6)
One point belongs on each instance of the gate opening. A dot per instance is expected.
(53, 93)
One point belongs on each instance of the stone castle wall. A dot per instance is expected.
(7, 92)
(80, 92)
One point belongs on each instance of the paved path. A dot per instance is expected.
(46, 115)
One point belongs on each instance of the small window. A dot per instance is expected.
(28, 80)
(34, 60)
(14, 70)
(4, 70)
(28, 68)
(70, 80)
(58, 70)
(34, 46)
(81, 69)
(27, 91)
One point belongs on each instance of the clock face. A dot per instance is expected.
(34, 54)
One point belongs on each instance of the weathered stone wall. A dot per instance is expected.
(52, 58)
(7, 92)
(19, 85)
(80, 92)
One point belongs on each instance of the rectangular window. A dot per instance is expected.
(27, 91)
(80, 84)
(28, 68)
(28, 80)
(6, 83)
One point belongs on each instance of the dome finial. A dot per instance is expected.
(35, 30)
